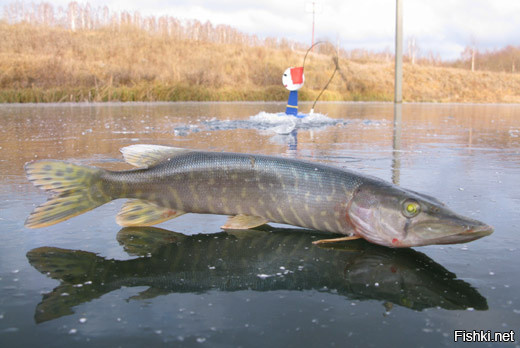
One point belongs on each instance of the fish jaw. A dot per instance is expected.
(458, 230)
(377, 212)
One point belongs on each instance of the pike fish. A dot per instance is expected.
(253, 190)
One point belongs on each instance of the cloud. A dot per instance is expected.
(443, 27)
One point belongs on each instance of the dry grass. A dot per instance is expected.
(52, 64)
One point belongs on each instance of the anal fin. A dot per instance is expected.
(243, 222)
(137, 212)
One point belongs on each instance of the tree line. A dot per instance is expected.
(76, 16)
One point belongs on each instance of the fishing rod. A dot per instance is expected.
(336, 68)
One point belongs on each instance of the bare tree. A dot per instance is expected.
(72, 14)
(469, 55)
(76, 16)
(413, 49)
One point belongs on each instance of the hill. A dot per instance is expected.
(42, 63)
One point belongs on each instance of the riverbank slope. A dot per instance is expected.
(53, 64)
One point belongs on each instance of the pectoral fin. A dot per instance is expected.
(137, 212)
(243, 222)
(335, 240)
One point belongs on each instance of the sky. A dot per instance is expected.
(443, 27)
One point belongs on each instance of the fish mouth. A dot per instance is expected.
(468, 235)
(451, 234)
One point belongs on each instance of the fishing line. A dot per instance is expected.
(336, 63)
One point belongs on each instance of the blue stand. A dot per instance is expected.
(292, 104)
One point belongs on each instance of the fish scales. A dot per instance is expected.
(281, 190)
(254, 190)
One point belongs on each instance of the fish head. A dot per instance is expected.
(389, 215)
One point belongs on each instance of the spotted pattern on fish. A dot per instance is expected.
(278, 189)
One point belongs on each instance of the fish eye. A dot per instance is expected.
(411, 208)
(284, 74)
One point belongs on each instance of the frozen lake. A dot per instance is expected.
(87, 281)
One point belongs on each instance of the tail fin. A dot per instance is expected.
(73, 268)
(75, 189)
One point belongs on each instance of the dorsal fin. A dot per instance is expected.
(144, 155)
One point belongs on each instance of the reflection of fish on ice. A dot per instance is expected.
(253, 190)
(171, 262)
